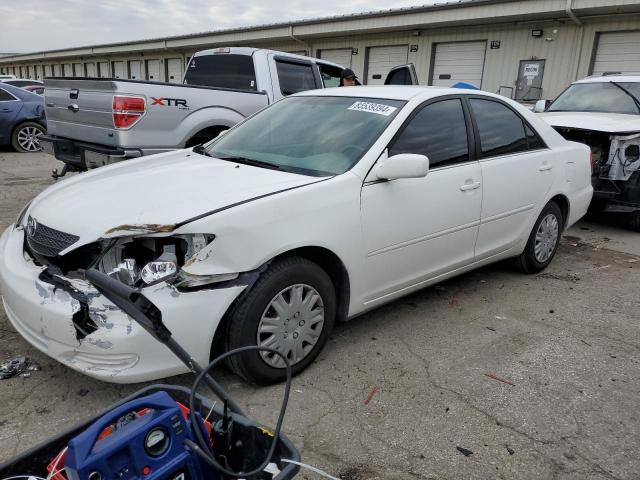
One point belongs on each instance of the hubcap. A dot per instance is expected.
(28, 138)
(292, 324)
(546, 238)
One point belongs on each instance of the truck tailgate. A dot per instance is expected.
(81, 110)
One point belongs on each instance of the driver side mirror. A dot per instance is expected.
(541, 106)
(403, 165)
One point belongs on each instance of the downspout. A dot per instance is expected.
(307, 47)
(570, 13)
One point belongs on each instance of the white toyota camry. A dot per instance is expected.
(316, 209)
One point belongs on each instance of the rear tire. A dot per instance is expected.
(543, 241)
(24, 138)
(292, 308)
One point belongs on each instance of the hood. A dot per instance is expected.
(152, 194)
(600, 122)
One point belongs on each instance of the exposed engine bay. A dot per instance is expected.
(615, 167)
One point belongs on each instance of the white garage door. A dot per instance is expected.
(617, 52)
(153, 70)
(103, 70)
(458, 62)
(174, 70)
(78, 71)
(91, 69)
(341, 56)
(118, 70)
(382, 59)
(135, 70)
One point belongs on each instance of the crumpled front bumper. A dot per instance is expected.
(119, 350)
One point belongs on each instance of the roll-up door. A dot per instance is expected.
(458, 62)
(617, 52)
(382, 59)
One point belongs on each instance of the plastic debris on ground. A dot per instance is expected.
(19, 366)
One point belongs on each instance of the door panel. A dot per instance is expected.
(529, 84)
(8, 111)
(415, 229)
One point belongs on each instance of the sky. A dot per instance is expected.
(40, 25)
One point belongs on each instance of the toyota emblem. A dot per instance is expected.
(32, 225)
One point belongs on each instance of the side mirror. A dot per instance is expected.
(541, 106)
(404, 165)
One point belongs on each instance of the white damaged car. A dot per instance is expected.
(314, 210)
(604, 113)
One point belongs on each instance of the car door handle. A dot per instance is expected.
(6, 109)
(470, 186)
(545, 166)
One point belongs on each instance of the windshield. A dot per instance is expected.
(317, 136)
(608, 97)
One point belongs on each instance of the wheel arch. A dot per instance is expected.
(563, 202)
(204, 135)
(321, 256)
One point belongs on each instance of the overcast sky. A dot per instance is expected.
(38, 25)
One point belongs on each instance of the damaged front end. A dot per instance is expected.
(146, 257)
(615, 160)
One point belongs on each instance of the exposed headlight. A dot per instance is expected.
(154, 272)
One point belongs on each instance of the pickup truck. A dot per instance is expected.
(99, 121)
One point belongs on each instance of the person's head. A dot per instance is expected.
(348, 78)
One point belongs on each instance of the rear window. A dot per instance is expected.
(222, 71)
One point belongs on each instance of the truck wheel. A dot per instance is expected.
(543, 241)
(25, 137)
(291, 308)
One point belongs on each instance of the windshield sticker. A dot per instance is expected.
(378, 108)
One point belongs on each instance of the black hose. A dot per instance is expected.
(202, 447)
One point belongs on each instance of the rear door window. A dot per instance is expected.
(438, 131)
(6, 96)
(501, 129)
(222, 71)
(295, 77)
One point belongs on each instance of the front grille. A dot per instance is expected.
(47, 241)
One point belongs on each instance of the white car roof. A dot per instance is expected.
(391, 92)
(629, 78)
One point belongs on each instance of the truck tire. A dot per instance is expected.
(24, 138)
(292, 308)
(543, 241)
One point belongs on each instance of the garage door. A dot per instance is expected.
(382, 59)
(118, 70)
(78, 70)
(617, 52)
(91, 69)
(103, 70)
(174, 70)
(135, 70)
(67, 70)
(153, 70)
(458, 62)
(341, 56)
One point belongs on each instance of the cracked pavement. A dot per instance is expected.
(396, 390)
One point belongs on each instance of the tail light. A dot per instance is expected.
(127, 110)
(592, 162)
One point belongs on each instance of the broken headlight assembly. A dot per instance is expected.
(144, 261)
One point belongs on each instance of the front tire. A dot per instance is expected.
(543, 241)
(291, 308)
(25, 137)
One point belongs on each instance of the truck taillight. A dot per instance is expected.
(591, 162)
(127, 110)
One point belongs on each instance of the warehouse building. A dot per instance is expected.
(523, 49)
